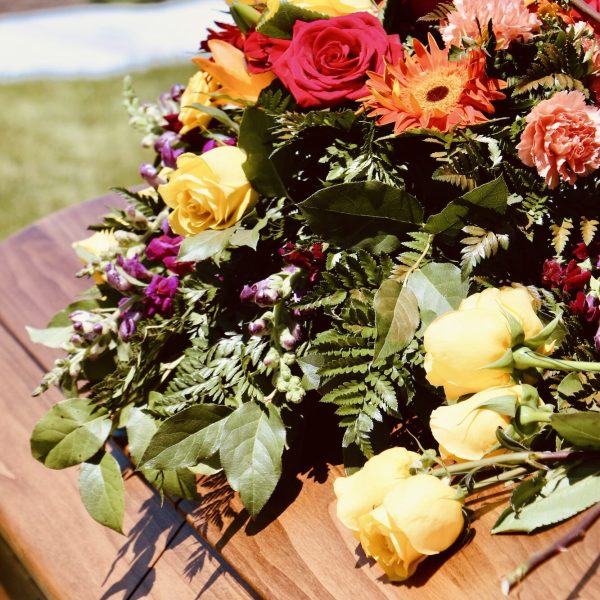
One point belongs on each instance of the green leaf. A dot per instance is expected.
(140, 429)
(310, 366)
(366, 214)
(580, 428)
(248, 237)
(187, 438)
(251, 450)
(570, 385)
(51, 337)
(256, 140)
(439, 288)
(205, 244)
(103, 493)
(180, 483)
(492, 196)
(70, 433)
(218, 114)
(281, 23)
(396, 318)
(560, 499)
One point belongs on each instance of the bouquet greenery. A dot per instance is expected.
(359, 213)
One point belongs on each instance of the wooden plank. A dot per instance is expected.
(190, 568)
(42, 518)
(306, 553)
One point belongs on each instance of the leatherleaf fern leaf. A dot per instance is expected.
(362, 390)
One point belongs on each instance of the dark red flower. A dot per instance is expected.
(263, 51)
(587, 307)
(575, 278)
(327, 61)
(552, 274)
(228, 33)
(310, 259)
(580, 252)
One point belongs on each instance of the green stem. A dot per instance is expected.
(514, 458)
(524, 358)
(586, 9)
(501, 477)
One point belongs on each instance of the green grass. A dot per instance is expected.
(64, 141)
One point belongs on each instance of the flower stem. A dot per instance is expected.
(535, 560)
(514, 458)
(501, 477)
(524, 358)
(586, 9)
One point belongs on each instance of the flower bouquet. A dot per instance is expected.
(382, 218)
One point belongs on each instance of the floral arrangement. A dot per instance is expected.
(385, 216)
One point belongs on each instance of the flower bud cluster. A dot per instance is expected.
(270, 291)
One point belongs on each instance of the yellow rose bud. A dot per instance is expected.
(359, 493)
(208, 192)
(94, 248)
(332, 8)
(419, 517)
(467, 430)
(459, 346)
(517, 300)
(198, 91)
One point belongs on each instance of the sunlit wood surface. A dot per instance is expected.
(297, 550)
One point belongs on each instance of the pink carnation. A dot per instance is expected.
(510, 21)
(562, 138)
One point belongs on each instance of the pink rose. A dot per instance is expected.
(562, 138)
(327, 61)
(262, 51)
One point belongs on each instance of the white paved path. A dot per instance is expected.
(102, 39)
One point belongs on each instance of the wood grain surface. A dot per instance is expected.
(296, 550)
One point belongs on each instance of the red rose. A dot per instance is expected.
(327, 60)
(262, 51)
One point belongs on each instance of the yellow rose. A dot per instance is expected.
(332, 8)
(94, 248)
(467, 430)
(419, 517)
(359, 493)
(517, 300)
(208, 192)
(198, 91)
(459, 346)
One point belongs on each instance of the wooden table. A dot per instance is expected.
(182, 551)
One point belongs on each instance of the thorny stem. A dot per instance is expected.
(586, 9)
(505, 476)
(560, 545)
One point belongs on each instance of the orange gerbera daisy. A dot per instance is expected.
(429, 91)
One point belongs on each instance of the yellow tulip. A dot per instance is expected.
(208, 192)
(467, 430)
(359, 493)
(229, 69)
(419, 517)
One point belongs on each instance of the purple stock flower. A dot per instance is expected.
(164, 146)
(134, 268)
(259, 327)
(212, 144)
(149, 173)
(597, 339)
(159, 295)
(166, 249)
(128, 323)
(115, 279)
(290, 337)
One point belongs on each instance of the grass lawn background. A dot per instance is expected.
(65, 141)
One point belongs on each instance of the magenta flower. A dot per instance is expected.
(159, 295)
